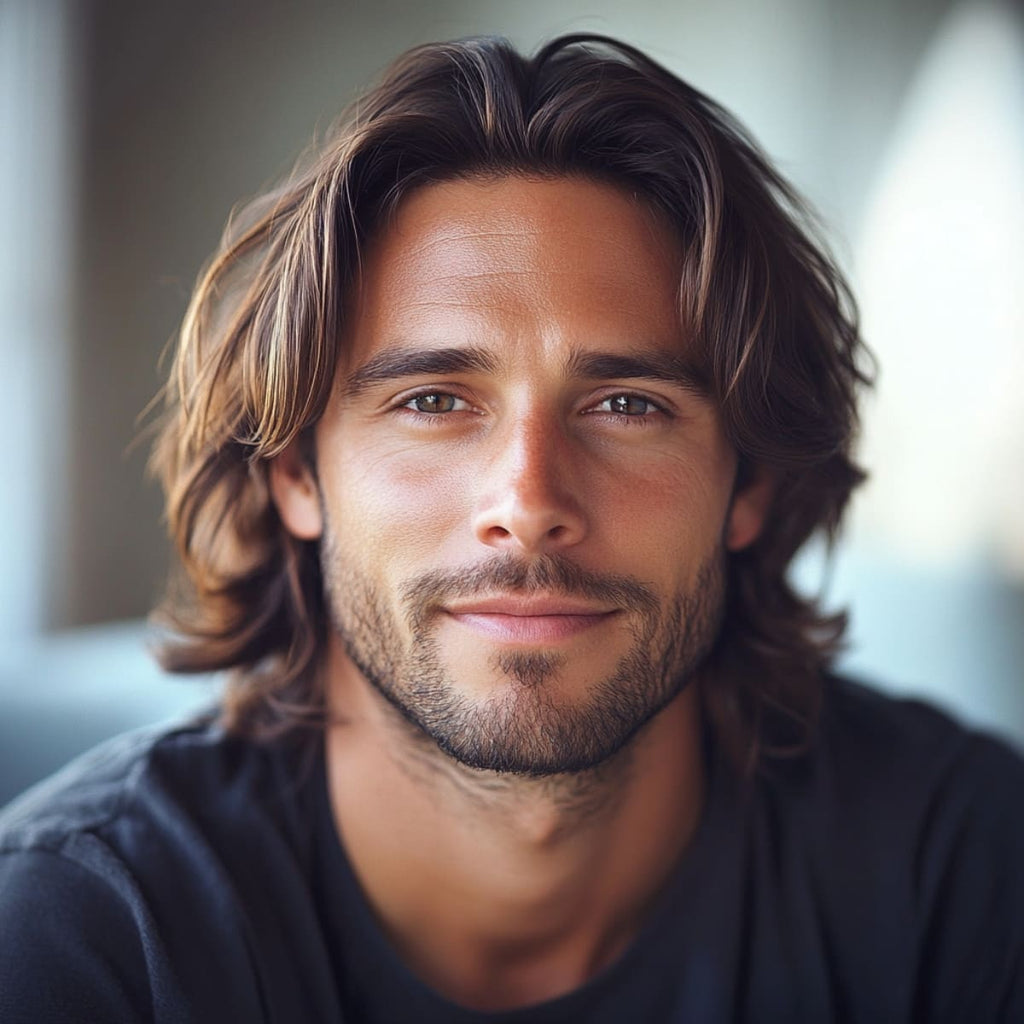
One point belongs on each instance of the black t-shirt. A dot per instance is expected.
(195, 876)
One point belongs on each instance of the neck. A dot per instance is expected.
(501, 891)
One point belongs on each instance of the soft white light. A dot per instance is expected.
(941, 269)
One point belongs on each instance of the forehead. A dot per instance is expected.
(531, 263)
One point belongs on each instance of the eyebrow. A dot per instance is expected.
(399, 362)
(395, 363)
(663, 366)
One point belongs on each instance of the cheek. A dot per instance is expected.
(670, 509)
(402, 504)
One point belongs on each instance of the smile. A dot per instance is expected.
(529, 620)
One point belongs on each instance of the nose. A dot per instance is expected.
(529, 501)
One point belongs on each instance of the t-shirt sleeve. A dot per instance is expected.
(69, 948)
(972, 883)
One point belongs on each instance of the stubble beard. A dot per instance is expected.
(524, 730)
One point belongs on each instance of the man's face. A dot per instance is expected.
(523, 495)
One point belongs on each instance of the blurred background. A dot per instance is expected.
(128, 131)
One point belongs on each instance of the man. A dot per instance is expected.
(490, 438)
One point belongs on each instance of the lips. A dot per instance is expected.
(530, 620)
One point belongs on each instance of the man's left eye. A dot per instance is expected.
(434, 402)
(628, 405)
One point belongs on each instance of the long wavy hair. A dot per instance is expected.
(771, 317)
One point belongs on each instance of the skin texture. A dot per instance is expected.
(525, 502)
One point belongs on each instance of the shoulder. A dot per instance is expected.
(156, 799)
(72, 948)
(894, 776)
(70, 906)
(914, 825)
(110, 868)
(909, 781)
(83, 795)
(882, 750)
(121, 776)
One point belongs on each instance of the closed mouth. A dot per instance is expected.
(529, 619)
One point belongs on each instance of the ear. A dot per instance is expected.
(751, 503)
(294, 488)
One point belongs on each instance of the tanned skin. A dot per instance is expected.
(515, 392)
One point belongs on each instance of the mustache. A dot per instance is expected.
(549, 574)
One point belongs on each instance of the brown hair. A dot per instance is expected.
(772, 320)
